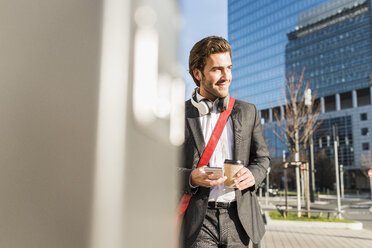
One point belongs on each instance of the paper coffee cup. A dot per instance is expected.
(231, 168)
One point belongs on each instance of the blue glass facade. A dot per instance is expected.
(275, 145)
(335, 52)
(257, 32)
(324, 139)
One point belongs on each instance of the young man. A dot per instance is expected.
(218, 216)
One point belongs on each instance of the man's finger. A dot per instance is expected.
(242, 171)
(213, 176)
(245, 184)
(242, 177)
(218, 181)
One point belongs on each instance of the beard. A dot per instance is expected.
(213, 90)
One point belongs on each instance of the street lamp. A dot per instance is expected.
(335, 149)
(342, 180)
(312, 170)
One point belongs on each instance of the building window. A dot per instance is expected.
(330, 103)
(346, 100)
(365, 146)
(265, 116)
(276, 113)
(363, 116)
(364, 97)
(364, 131)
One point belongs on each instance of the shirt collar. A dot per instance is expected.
(200, 97)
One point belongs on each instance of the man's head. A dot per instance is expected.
(210, 66)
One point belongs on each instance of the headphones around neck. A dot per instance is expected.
(205, 106)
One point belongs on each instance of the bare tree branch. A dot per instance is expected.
(300, 121)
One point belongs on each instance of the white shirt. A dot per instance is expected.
(223, 150)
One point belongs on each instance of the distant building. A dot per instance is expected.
(335, 49)
(333, 43)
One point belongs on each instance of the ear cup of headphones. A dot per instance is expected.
(207, 107)
(204, 106)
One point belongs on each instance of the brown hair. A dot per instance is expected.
(201, 51)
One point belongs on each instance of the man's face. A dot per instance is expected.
(217, 76)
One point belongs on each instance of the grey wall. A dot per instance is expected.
(55, 107)
(49, 72)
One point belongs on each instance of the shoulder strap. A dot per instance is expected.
(216, 134)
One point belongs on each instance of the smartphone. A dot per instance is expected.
(217, 171)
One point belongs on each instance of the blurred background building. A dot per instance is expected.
(332, 42)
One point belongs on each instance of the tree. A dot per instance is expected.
(299, 121)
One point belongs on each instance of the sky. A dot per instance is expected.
(201, 18)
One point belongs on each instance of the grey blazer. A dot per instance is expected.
(249, 146)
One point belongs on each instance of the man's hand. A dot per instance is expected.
(201, 178)
(244, 179)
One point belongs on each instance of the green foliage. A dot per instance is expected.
(293, 217)
(290, 193)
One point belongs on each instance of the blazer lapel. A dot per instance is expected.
(192, 116)
(237, 126)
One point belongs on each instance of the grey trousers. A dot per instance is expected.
(221, 229)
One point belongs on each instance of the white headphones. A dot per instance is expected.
(204, 106)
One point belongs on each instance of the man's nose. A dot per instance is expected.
(226, 74)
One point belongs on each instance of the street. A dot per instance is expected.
(290, 235)
(353, 208)
(360, 210)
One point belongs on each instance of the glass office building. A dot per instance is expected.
(257, 32)
(334, 51)
(323, 139)
(331, 42)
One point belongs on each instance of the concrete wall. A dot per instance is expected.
(54, 150)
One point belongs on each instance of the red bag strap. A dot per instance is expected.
(207, 154)
(216, 134)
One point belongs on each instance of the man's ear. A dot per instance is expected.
(197, 74)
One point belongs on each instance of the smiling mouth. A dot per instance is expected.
(221, 84)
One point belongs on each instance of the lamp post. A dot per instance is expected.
(335, 145)
(311, 169)
(342, 180)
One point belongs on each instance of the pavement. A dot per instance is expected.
(288, 236)
(303, 237)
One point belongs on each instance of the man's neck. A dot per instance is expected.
(208, 96)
